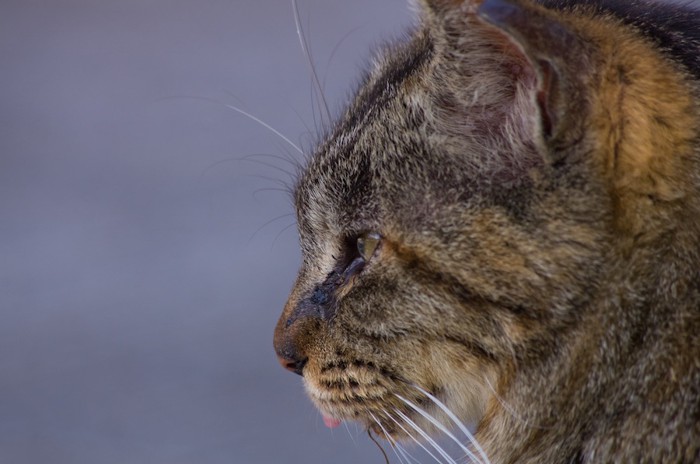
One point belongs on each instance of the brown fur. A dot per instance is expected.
(534, 174)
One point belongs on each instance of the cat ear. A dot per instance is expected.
(438, 12)
(552, 54)
(437, 6)
(546, 56)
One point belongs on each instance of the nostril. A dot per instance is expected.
(296, 366)
(291, 343)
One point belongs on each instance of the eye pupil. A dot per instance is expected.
(367, 244)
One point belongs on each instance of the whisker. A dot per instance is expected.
(249, 159)
(281, 232)
(335, 49)
(426, 437)
(276, 180)
(318, 129)
(269, 189)
(442, 428)
(371, 437)
(456, 420)
(256, 192)
(289, 158)
(404, 452)
(215, 164)
(352, 437)
(399, 454)
(309, 133)
(293, 162)
(312, 68)
(240, 111)
(410, 435)
(265, 125)
(267, 223)
(390, 439)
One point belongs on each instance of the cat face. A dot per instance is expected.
(453, 223)
(469, 251)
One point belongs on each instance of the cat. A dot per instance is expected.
(504, 228)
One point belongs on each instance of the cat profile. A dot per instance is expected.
(504, 228)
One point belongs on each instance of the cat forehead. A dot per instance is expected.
(373, 128)
(419, 127)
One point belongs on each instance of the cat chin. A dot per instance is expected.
(337, 406)
(407, 413)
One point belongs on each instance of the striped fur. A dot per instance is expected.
(533, 170)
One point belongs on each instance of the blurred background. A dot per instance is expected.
(146, 245)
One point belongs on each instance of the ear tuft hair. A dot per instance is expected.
(440, 9)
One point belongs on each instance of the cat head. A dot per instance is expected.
(460, 214)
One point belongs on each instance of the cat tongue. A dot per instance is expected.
(331, 422)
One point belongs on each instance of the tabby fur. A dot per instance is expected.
(533, 170)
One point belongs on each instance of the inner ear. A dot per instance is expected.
(546, 95)
(542, 46)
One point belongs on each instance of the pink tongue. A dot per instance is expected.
(330, 422)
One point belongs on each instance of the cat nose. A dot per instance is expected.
(294, 333)
(290, 353)
(292, 364)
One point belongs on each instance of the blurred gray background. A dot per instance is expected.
(144, 254)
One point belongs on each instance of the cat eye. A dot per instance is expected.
(367, 244)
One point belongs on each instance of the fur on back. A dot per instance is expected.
(528, 177)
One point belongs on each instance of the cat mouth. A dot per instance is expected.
(407, 416)
(331, 422)
(382, 401)
(391, 426)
